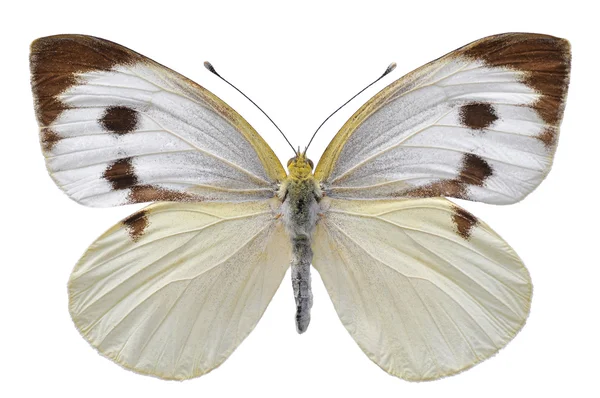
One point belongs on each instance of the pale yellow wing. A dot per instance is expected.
(426, 289)
(117, 128)
(480, 123)
(172, 290)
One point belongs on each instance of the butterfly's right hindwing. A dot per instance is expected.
(172, 290)
(118, 128)
(425, 288)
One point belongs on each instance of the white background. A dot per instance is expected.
(299, 62)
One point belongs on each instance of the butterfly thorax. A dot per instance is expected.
(301, 194)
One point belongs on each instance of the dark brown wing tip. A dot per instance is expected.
(546, 65)
(514, 37)
(54, 62)
(522, 51)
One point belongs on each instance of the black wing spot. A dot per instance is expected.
(475, 170)
(119, 120)
(477, 115)
(121, 174)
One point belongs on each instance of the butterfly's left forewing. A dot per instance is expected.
(117, 128)
(172, 290)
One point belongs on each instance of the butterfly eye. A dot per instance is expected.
(310, 163)
(290, 161)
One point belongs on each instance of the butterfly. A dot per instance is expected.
(425, 288)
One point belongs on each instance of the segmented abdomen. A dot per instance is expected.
(300, 210)
(302, 257)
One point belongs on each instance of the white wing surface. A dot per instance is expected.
(172, 290)
(117, 128)
(424, 288)
(480, 123)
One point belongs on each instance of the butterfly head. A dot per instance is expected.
(300, 166)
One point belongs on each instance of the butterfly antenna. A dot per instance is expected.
(211, 68)
(390, 68)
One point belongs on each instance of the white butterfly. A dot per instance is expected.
(424, 287)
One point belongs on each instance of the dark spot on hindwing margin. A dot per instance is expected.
(121, 174)
(119, 120)
(464, 221)
(136, 224)
(477, 115)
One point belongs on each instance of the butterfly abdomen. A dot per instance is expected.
(300, 210)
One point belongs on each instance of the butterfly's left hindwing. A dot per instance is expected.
(118, 128)
(480, 123)
(424, 287)
(172, 290)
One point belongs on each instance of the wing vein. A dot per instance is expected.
(391, 147)
(404, 227)
(197, 230)
(411, 277)
(452, 265)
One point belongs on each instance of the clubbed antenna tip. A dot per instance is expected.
(390, 68)
(211, 68)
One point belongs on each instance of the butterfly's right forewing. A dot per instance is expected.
(480, 123)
